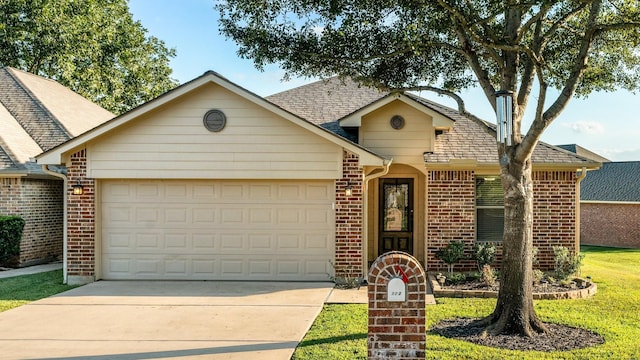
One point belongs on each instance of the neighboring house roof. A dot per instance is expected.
(577, 149)
(327, 101)
(37, 114)
(54, 156)
(614, 182)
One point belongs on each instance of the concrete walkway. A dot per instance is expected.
(30, 270)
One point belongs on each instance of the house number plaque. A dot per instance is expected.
(396, 290)
(397, 286)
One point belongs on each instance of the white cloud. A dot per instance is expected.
(616, 154)
(585, 127)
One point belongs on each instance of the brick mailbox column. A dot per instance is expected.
(397, 291)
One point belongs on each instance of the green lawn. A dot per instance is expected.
(340, 332)
(19, 290)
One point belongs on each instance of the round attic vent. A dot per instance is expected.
(397, 122)
(214, 120)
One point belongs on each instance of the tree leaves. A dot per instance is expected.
(93, 47)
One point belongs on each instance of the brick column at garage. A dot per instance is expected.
(348, 248)
(81, 212)
(396, 327)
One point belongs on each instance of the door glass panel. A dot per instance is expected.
(396, 207)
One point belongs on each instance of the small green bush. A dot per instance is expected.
(10, 235)
(538, 275)
(457, 278)
(484, 254)
(566, 263)
(451, 254)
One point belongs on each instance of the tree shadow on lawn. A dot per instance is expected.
(332, 339)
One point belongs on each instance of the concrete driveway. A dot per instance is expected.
(164, 320)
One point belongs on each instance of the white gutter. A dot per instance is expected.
(365, 212)
(46, 169)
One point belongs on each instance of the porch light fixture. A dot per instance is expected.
(347, 190)
(504, 117)
(78, 189)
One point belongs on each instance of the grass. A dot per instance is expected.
(340, 332)
(20, 290)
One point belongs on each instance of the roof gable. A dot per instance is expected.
(37, 114)
(467, 141)
(439, 120)
(54, 156)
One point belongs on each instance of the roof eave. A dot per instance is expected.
(354, 119)
(54, 156)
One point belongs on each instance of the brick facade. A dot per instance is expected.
(554, 213)
(451, 214)
(610, 224)
(349, 216)
(40, 203)
(81, 254)
(10, 196)
(396, 329)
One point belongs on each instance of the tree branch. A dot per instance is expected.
(524, 29)
(459, 101)
(465, 24)
(481, 74)
(580, 64)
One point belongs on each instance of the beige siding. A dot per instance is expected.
(406, 145)
(172, 142)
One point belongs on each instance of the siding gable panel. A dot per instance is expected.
(406, 145)
(172, 142)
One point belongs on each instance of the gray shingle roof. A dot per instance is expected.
(37, 114)
(30, 113)
(615, 181)
(326, 101)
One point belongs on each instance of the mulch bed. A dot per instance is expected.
(558, 338)
(479, 285)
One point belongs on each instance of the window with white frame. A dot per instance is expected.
(489, 208)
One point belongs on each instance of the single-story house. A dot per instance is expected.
(610, 205)
(37, 114)
(609, 202)
(211, 181)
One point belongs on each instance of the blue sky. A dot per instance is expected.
(606, 123)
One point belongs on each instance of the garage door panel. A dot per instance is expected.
(233, 268)
(155, 229)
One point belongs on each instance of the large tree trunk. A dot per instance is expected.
(514, 312)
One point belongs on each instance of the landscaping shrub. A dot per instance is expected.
(565, 263)
(10, 235)
(451, 254)
(489, 277)
(457, 278)
(538, 275)
(484, 254)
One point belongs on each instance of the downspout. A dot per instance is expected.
(581, 175)
(61, 174)
(365, 213)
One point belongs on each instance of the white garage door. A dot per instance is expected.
(217, 230)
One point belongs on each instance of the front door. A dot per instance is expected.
(396, 215)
